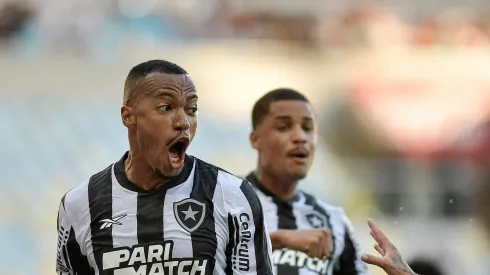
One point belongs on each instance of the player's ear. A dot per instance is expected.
(127, 116)
(254, 140)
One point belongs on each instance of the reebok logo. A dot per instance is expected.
(106, 223)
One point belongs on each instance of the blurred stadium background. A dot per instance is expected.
(401, 91)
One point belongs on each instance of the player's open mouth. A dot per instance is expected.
(176, 151)
(299, 155)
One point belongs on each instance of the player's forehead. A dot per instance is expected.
(162, 83)
(290, 110)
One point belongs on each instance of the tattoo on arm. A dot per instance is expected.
(397, 260)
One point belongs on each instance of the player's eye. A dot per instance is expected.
(308, 128)
(165, 108)
(282, 127)
(193, 110)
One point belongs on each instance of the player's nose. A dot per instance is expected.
(181, 122)
(299, 135)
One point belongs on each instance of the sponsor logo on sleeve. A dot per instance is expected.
(241, 251)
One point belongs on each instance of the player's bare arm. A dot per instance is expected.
(391, 260)
(316, 243)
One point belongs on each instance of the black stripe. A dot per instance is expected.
(77, 260)
(348, 257)
(149, 216)
(260, 239)
(65, 256)
(63, 201)
(311, 201)
(231, 244)
(237, 235)
(58, 222)
(204, 240)
(149, 209)
(286, 220)
(100, 204)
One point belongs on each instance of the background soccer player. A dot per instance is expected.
(158, 210)
(284, 134)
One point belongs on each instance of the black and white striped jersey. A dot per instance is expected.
(306, 212)
(206, 221)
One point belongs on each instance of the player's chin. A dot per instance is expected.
(298, 173)
(168, 171)
(168, 168)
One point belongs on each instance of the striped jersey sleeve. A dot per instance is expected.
(249, 248)
(69, 260)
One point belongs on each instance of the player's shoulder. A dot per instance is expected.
(329, 209)
(224, 178)
(233, 188)
(78, 195)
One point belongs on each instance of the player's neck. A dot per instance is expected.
(141, 174)
(282, 187)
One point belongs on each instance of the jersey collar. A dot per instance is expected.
(252, 178)
(123, 180)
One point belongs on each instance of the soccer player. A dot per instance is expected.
(391, 261)
(308, 235)
(158, 210)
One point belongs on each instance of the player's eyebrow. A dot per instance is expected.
(174, 96)
(283, 117)
(192, 97)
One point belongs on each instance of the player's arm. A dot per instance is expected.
(69, 258)
(278, 240)
(350, 262)
(316, 243)
(391, 261)
(249, 247)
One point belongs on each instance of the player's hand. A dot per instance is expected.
(316, 243)
(391, 261)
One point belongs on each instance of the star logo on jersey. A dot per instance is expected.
(316, 220)
(189, 213)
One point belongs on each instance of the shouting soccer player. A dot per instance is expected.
(308, 236)
(158, 210)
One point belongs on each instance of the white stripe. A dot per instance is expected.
(239, 204)
(77, 205)
(173, 230)
(220, 214)
(124, 201)
(270, 211)
(270, 216)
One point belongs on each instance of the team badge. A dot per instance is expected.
(189, 213)
(316, 220)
